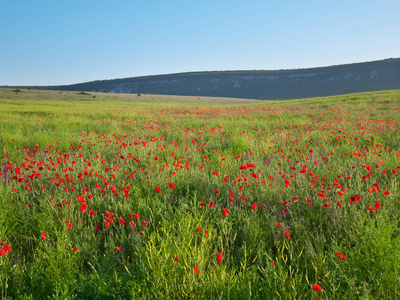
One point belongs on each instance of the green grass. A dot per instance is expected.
(63, 149)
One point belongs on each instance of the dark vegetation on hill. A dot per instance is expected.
(279, 85)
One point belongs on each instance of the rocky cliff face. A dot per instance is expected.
(282, 84)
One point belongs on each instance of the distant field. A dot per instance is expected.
(120, 196)
(141, 99)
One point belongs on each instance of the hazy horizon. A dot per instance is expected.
(205, 71)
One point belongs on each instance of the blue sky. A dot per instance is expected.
(63, 42)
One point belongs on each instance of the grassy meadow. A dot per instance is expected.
(116, 196)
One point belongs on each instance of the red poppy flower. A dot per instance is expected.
(44, 235)
(371, 209)
(287, 234)
(217, 192)
(287, 183)
(7, 248)
(225, 211)
(92, 212)
(378, 205)
(158, 189)
(83, 208)
(117, 249)
(122, 221)
(340, 255)
(69, 225)
(254, 206)
(196, 269)
(386, 193)
(355, 198)
(175, 258)
(316, 287)
(74, 249)
(171, 185)
(339, 203)
(219, 257)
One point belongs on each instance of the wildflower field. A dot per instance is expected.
(163, 197)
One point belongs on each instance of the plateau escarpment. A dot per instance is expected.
(280, 84)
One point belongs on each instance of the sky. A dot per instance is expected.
(48, 42)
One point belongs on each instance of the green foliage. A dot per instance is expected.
(273, 242)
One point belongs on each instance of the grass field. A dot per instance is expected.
(112, 196)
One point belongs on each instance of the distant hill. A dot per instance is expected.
(278, 85)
